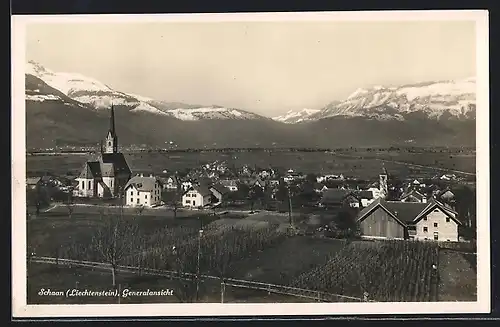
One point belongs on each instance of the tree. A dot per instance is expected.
(465, 205)
(345, 223)
(243, 191)
(140, 209)
(255, 194)
(311, 178)
(282, 193)
(113, 241)
(70, 205)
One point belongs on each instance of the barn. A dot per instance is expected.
(408, 220)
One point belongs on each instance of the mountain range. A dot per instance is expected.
(71, 109)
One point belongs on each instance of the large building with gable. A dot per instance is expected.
(106, 175)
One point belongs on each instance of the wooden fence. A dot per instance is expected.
(316, 296)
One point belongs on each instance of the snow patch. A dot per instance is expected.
(41, 98)
(148, 108)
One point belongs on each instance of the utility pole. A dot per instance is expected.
(198, 267)
(289, 207)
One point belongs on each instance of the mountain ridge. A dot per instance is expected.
(79, 116)
(436, 99)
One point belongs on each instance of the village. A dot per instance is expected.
(385, 207)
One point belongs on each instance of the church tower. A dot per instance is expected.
(111, 141)
(383, 184)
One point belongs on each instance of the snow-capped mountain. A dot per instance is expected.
(441, 99)
(435, 100)
(38, 91)
(292, 117)
(97, 95)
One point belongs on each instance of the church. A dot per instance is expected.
(106, 176)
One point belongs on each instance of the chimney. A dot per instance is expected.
(150, 175)
(142, 175)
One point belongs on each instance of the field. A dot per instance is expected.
(360, 164)
(254, 248)
(458, 276)
(280, 264)
(386, 271)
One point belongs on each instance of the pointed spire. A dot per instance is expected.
(112, 121)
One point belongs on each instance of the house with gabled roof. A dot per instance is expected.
(413, 196)
(409, 220)
(219, 191)
(197, 196)
(33, 182)
(108, 175)
(143, 191)
(335, 198)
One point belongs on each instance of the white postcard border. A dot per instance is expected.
(21, 309)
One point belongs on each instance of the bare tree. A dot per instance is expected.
(114, 240)
(140, 209)
(70, 205)
(176, 198)
(186, 283)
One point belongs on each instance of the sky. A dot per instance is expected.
(265, 67)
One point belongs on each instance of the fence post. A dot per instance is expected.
(222, 290)
(365, 296)
(269, 289)
(319, 296)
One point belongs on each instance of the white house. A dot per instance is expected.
(171, 183)
(197, 196)
(437, 223)
(143, 191)
(375, 191)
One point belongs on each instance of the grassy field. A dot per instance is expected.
(361, 164)
(56, 229)
(458, 276)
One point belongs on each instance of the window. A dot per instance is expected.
(436, 237)
(145, 196)
(131, 193)
(109, 143)
(436, 210)
(83, 185)
(131, 200)
(137, 200)
(111, 183)
(435, 224)
(90, 185)
(447, 219)
(425, 217)
(425, 229)
(188, 201)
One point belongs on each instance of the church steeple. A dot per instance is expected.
(111, 142)
(112, 121)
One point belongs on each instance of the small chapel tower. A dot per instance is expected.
(111, 141)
